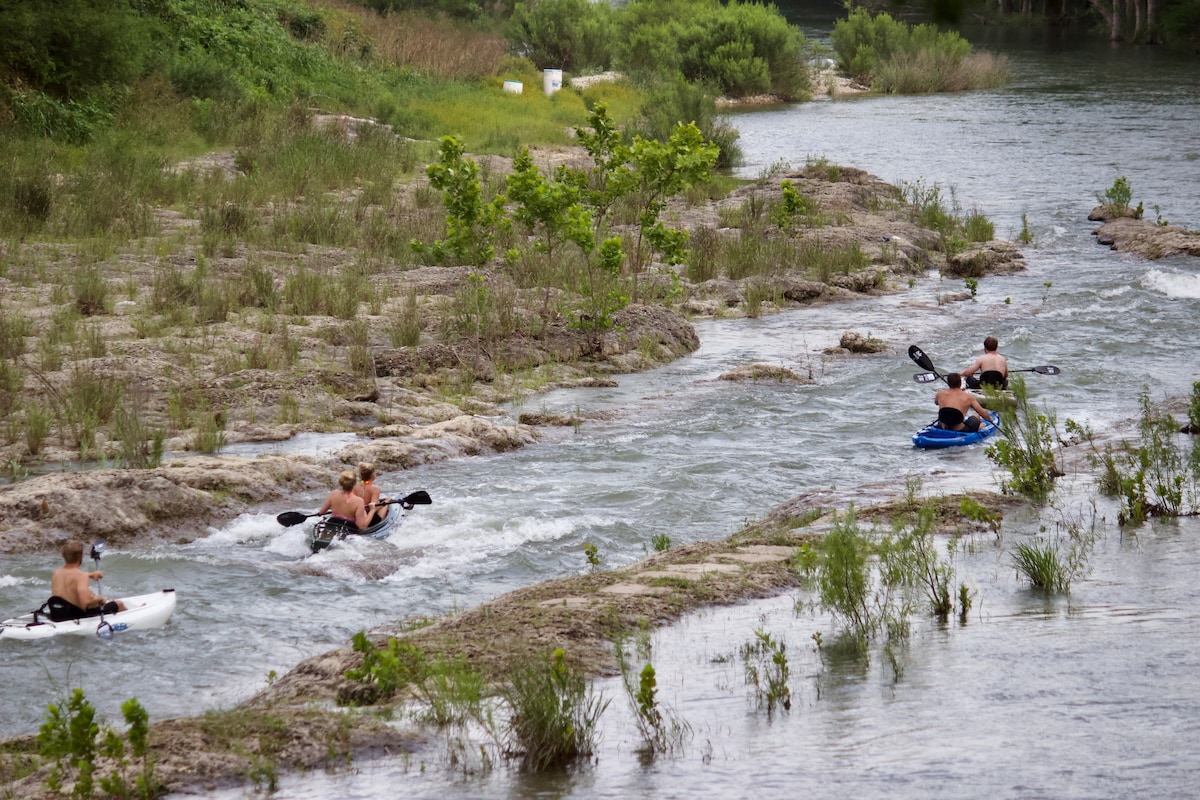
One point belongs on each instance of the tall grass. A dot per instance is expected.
(926, 72)
(553, 714)
(440, 46)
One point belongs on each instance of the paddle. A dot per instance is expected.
(923, 361)
(104, 628)
(1045, 369)
(417, 498)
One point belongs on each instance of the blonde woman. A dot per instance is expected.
(369, 492)
(346, 505)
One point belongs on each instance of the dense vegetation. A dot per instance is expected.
(1175, 23)
(892, 56)
(71, 69)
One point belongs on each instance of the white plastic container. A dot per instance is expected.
(514, 87)
(551, 81)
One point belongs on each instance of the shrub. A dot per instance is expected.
(1027, 448)
(1151, 478)
(38, 421)
(91, 291)
(303, 290)
(405, 327)
(386, 669)
(739, 48)
(1194, 409)
(1116, 198)
(979, 228)
(572, 35)
(553, 716)
(470, 222)
(891, 56)
(673, 99)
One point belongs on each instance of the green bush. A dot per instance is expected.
(670, 100)
(1116, 198)
(572, 35)
(69, 47)
(1026, 448)
(1151, 478)
(891, 56)
(741, 48)
(554, 714)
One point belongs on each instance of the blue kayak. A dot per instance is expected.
(931, 436)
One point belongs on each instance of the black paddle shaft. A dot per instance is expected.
(417, 498)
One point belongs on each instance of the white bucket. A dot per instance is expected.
(514, 87)
(551, 81)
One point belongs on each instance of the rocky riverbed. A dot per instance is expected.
(413, 405)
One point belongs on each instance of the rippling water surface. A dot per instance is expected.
(1091, 696)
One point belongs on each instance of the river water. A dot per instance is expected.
(1091, 695)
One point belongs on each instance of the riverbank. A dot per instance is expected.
(256, 375)
(315, 717)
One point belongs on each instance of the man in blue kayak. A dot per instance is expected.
(72, 597)
(991, 366)
(955, 406)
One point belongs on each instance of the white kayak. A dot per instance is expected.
(142, 612)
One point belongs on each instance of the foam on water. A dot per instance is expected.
(243, 529)
(1175, 285)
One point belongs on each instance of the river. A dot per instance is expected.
(1091, 695)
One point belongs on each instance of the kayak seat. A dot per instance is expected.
(949, 418)
(61, 610)
(994, 378)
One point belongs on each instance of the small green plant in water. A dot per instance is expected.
(1194, 409)
(660, 542)
(979, 514)
(1026, 234)
(767, 671)
(972, 285)
(1026, 449)
(662, 731)
(389, 668)
(592, 553)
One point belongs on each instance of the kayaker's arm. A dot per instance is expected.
(981, 411)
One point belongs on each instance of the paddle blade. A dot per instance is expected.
(289, 518)
(1047, 370)
(926, 377)
(918, 355)
(417, 498)
(98, 549)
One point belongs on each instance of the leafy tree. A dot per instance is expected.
(470, 222)
(660, 171)
(573, 35)
(551, 210)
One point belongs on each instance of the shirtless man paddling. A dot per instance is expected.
(991, 366)
(954, 404)
(71, 584)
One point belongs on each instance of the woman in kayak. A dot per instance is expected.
(346, 506)
(954, 404)
(69, 584)
(369, 492)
